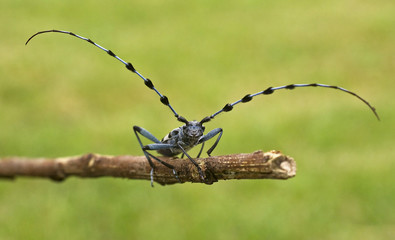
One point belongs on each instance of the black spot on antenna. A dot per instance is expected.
(227, 107)
(111, 53)
(182, 119)
(246, 98)
(164, 100)
(290, 86)
(90, 41)
(206, 119)
(149, 83)
(130, 67)
(268, 91)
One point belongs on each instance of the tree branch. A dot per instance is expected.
(256, 165)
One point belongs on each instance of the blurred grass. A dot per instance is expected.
(60, 96)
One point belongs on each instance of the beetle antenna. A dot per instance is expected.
(164, 100)
(229, 106)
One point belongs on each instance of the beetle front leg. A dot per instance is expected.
(210, 135)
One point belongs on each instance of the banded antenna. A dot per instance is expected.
(229, 106)
(128, 65)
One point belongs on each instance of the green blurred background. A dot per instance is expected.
(60, 96)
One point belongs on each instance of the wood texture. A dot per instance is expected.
(256, 165)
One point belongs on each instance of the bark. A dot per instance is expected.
(256, 165)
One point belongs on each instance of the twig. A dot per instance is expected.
(257, 165)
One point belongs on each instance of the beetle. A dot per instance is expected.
(180, 140)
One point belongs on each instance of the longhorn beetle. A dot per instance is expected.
(191, 134)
